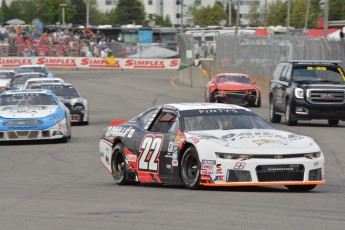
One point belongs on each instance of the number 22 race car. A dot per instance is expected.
(208, 144)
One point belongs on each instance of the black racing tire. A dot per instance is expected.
(190, 169)
(289, 120)
(333, 122)
(213, 97)
(301, 188)
(259, 103)
(274, 118)
(64, 139)
(118, 165)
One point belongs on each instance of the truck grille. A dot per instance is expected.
(326, 96)
(268, 173)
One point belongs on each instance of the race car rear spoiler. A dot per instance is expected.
(117, 122)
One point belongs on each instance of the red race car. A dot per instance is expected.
(233, 88)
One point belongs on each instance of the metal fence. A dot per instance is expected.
(259, 55)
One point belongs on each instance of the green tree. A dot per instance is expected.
(254, 15)
(129, 11)
(336, 10)
(277, 13)
(209, 15)
(5, 11)
(233, 14)
(298, 14)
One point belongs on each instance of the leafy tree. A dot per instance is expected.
(5, 11)
(336, 10)
(209, 15)
(298, 14)
(254, 16)
(129, 11)
(233, 13)
(277, 13)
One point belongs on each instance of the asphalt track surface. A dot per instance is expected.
(63, 186)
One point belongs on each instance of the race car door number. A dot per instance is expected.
(149, 152)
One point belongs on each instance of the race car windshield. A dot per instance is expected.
(31, 69)
(21, 79)
(60, 90)
(318, 74)
(26, 100)
(6, 75)
(241, 79)
(224, 121)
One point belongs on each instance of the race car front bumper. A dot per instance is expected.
(57, 131)
(263, 172)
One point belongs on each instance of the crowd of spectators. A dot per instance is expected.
(30, 41)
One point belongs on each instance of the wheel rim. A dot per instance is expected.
(191, 168)
(118, 165)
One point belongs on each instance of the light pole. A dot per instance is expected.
(230, 16)
(237, 17)
(288, 18)
(87, 2)
(63, 6)
(325, 19)
(306, 19)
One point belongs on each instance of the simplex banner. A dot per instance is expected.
(84, 62)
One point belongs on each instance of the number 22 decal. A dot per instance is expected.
(149, 152)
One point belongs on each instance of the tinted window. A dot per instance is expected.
(24, 99)
(314, 73)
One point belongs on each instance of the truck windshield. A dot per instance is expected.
(319, 74)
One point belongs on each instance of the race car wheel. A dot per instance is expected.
(274, 118)
(118, 165)
(300, 188)
(288, 113)
(333, 122)
(213, 97)
(258, 104)
(190, 169)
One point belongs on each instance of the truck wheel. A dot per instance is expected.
(288, 118)
(274, 118)
(333, 122)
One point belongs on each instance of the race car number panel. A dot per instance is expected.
(150, 149)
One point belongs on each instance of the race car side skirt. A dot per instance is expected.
(265, 183)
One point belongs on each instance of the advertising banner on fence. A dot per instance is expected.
(84, 62)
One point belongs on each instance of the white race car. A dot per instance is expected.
(209, 144)
(33, 115)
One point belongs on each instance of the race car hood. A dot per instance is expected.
(254, 141)
(4, 82)
(234, 86)
(27, 111)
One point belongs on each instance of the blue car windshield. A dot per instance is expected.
(25, 99)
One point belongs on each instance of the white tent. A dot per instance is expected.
(15, 22)
(155, 52)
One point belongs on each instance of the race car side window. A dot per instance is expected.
(147, 118)
(165, 122)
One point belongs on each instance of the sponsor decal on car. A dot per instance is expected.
(209, 162)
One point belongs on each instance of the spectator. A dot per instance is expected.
(26, 53)
(104, 52)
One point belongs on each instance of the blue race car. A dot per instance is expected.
(33, 115)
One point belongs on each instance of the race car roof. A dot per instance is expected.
(33, 91)
(196, 106)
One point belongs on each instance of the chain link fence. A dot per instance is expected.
(259, 55)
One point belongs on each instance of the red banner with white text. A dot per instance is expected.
(84, 62)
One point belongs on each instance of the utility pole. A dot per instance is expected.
(288, 18)
(237, 17)
(181, 29)
(87, 2)
(306, 19)
(63, 6)
(230, 9)
(325, 19)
